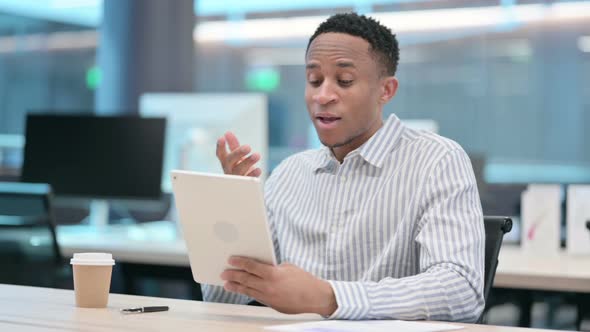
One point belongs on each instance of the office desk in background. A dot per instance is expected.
(521, 277)
(153, 243)
(561, 272)
(157, 243)
(46, 309)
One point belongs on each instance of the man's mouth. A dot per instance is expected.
(327, 120)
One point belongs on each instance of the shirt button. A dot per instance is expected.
(343, 179)
(334, 228)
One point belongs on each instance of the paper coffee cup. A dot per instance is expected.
(92, 279)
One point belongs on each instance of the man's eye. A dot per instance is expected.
(314, 82)
(345, 82)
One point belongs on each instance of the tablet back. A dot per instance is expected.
(221, 216)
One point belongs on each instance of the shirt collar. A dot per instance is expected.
(378, 147)
(324, 159)
(374, 151)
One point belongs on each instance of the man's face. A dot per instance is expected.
(344, 91)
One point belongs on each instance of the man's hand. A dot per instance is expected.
(285, 287)
(237, 161)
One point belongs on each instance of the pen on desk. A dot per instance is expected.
(144, 309)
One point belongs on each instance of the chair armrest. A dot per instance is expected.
(507, 226)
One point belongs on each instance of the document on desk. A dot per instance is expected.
(366, 326)
(578, 213)
(540, 219)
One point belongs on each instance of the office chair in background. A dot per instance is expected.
(29, 250)
(495, 228)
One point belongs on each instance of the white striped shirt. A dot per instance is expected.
(396, 229)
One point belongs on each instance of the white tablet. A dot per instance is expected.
(221, 216)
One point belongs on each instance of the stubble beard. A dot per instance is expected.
(341, 144)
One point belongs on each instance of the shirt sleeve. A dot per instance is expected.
(451, 239)
(213, 293)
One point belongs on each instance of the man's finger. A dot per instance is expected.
(254, 172)
(244, 278)
(235, 156)
(221, 151)
(252, 266)
(232, 141)
(244, 165)
(235, 287)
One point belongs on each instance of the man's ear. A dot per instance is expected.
(389, 86)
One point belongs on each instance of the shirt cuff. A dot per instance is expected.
(352, 300)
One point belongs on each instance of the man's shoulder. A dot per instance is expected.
(429, 142)
(310, 155)
(303, 159)
(299, 162)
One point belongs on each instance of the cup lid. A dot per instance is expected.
(92, 258)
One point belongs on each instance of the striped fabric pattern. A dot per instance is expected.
(397, 228)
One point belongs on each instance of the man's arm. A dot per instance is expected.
(451, 238)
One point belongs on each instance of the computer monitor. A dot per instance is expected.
(197, 120)
(99, 157)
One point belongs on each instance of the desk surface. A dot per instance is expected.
(559, 272)
(158, 243)
(45, 309)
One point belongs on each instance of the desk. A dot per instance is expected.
(561, 272)
(153, 243)
(157, 243)
(46, 309)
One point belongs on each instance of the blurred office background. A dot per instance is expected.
(507, 79)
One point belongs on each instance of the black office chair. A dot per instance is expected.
(495, 228)
(29, 250)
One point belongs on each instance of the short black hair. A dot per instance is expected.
(383, 42)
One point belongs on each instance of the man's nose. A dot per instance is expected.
(325, 95)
